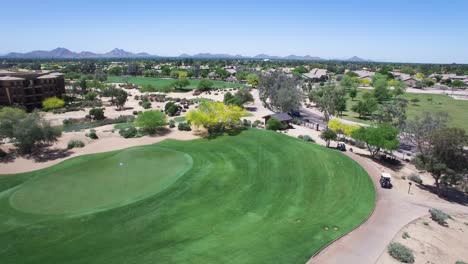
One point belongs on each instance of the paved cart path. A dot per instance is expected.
(393, 211)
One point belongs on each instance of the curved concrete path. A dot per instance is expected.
(394, 209)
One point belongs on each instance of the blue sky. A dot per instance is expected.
(397, 30)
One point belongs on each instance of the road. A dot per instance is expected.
(407, 148)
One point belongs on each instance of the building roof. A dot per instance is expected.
(9, 78)
(316, 73)
(281, 117)
(5, 72)
(364, 73)
(50, 75)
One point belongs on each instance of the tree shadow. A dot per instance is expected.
(447, 193)
(391, 163)
(48, 154)
(7, 156)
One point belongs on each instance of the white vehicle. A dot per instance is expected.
(386, 180)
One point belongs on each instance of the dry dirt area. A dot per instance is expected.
(109, 140)
(434, 243)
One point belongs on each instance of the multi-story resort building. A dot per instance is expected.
(29, 89)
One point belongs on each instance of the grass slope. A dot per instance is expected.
(457, 109)
(163, 82)
(258, 197)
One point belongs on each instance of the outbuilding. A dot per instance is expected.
(284, 118)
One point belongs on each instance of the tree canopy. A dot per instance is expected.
(216, 116)
(378, 137)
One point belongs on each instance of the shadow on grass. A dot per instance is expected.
(448, 194)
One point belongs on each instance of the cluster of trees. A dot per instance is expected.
(26, 130)
(216, 117)
(441, 150)
(280, 92)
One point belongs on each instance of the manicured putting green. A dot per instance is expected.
(257, 197)
(101, 181)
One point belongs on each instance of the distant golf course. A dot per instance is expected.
(433, 103)
(163, 82)
(257, 197)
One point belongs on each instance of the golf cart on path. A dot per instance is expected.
(385, 180)
(341, 146)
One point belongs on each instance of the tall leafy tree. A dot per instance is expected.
(377, 138)
(329, 99)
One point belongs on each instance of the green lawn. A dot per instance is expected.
(163, 82)
(258, 197)
(457, 109)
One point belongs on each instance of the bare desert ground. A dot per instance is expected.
(434, 243)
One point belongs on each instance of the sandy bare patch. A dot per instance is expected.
(433, 243)
(107, 141)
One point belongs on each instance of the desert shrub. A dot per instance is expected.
(66, 122)
(150, 121)
(171, 123)
(415, 178)
(184, 126)
(75, 144)
(52, 103)
(274, 124)
(425, 223)
(146, 104)
(128, 132)
(439, 216)
(171, 108)
(460, 262)
(405, 235)
(401, 253)
(92, 134)
(97, 113)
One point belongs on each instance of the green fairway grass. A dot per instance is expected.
(163, 82)
(106, 180)
(456, 109)
(257, 197)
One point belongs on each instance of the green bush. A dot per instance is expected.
(460, 262)
(307, 138)
(405, 235)
(184, 126)
(75, 144)
(97, 113)
(439, 216)
(246, 123)
(146, 105)
(52, 103)
(171, 108)
(256, 123)
(128, 132)
(150, 121)
(274, 124)
(171, 123)
(401, 253)
(415, 178)
(92, 134)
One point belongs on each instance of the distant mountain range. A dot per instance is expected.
(62, 53)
